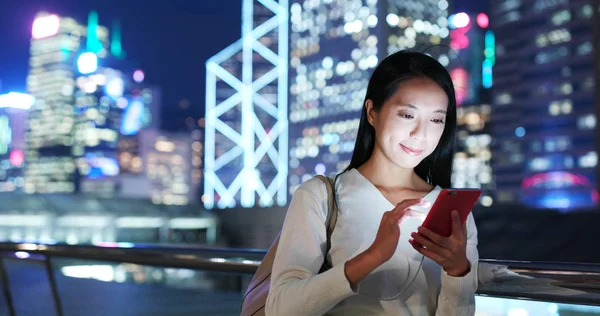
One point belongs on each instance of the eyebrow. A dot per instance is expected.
(416, 108)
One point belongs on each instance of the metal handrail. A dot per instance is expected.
(243, 261)
(559, 282)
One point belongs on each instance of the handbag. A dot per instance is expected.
(253, 303)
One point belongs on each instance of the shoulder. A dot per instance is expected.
(314, 187)
(312, 194)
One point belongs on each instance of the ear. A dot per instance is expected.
(371, 113)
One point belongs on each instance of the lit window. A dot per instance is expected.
(550, 146)
(554, 108)
(589, 160)
(541, 40)
(567, 106)
(586, 122)
(561, 17)
(504, 98)
(566, 88)
(585, 48)
(586, 12)
(559, 36)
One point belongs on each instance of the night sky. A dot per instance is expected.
(169, 39)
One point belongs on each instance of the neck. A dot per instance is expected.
(383, 173)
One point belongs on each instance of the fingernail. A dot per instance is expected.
(413, 234)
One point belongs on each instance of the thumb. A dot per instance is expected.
(457, 227)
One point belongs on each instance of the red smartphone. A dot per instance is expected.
(439, 218)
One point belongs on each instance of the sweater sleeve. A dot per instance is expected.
(457, 295)
(297, 288)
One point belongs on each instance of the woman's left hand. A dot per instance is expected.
(449, 252)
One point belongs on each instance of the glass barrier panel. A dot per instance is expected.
(105, 288)
(494, 306)
(29, 287)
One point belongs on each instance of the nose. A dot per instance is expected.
(419, 131)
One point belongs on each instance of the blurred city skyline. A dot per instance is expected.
(174, 46)
(87, 164)
(172, 53)
(199, 131)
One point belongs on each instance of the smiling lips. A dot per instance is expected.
(411, 151)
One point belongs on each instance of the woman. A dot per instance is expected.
(383, 262)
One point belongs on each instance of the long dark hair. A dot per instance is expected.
(399, 67)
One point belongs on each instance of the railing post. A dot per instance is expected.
(55, 295)
(6, 289)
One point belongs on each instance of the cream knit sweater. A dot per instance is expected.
(409, 284)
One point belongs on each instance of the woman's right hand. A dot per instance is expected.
(385, 243)
(388, 235)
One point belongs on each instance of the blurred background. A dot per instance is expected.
(191, 123)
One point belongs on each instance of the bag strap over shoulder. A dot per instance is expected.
(255, 298)
(332, 214)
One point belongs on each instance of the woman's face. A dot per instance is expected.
(410, 124)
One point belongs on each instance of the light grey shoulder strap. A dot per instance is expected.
(332, 210)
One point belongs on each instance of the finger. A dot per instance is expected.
(425, 203)
(430, 245)
(397, 214)
(440, 240)
(408, 214)
(427, 253)
(402, 207)
(415, 243)
(464, 227)
(415, 214)
(406, 204)
(456, 225)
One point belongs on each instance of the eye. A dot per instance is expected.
(406, 116)
(438, 121)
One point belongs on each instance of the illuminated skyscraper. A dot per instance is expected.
(545, 102)
(471, 69)
(472, 160)
(472, 57)
(150, 96)
(13, 115)
(197, 166)
(246, 159)
(55, 50)
(142, 112)
(169, 169)
(99, 106)
(335, 45)
(141, 119)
